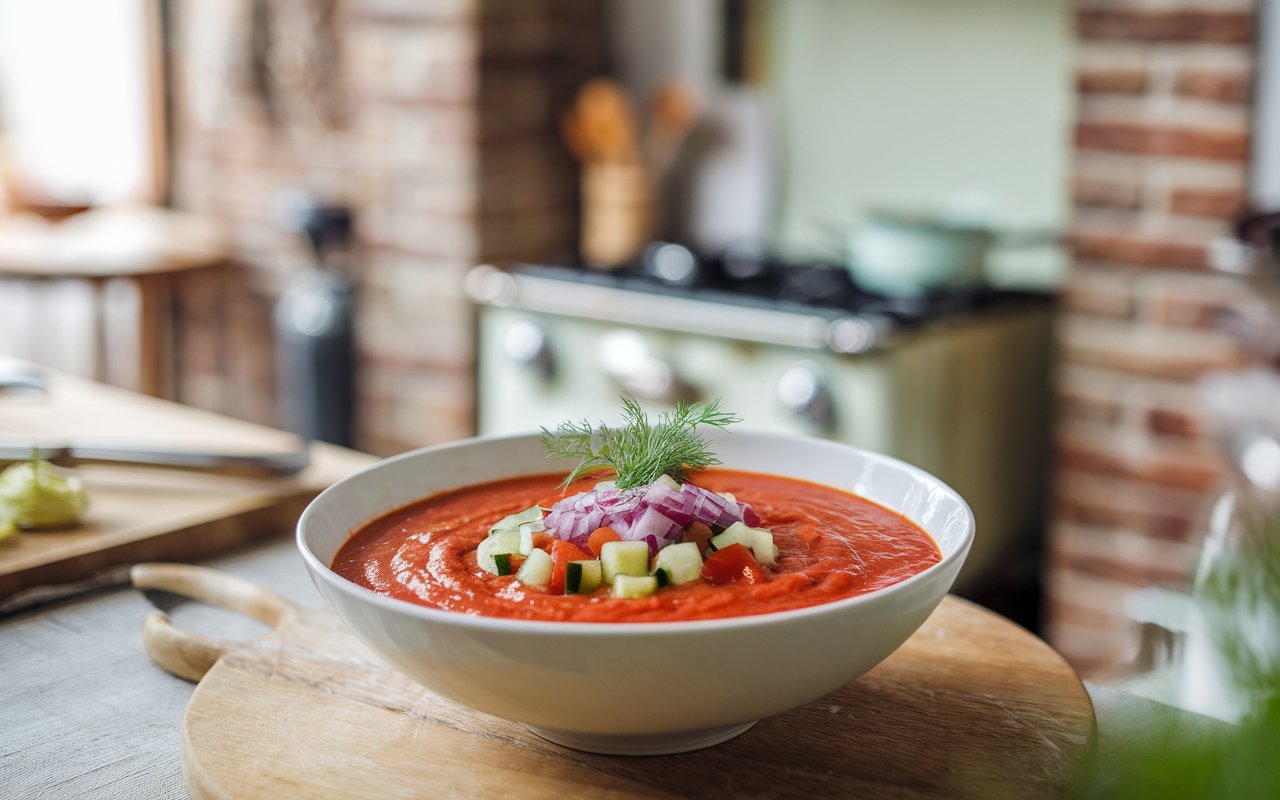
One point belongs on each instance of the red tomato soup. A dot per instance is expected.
(831, 545)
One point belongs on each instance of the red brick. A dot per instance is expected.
(1177, 464)
(1140, 249)
(1102, 292)
(1112, 80)
(410, 12)
(1145, 566)
(1094, 653)
(1105, 398)
(1088, 396)
(1085, 620)
(513, 104)
(1182, 311)
(1171, 422)
(532, 191)
(1159, 513)
(1222, 144)
(427, 96)
(1090, 593)
(1147, 350)
(420, 64)
(417, 234)
(1106, 193)
(1077, 408)
(1220, 86)
(1216, 203)
(1191, 301)
(1166, 25)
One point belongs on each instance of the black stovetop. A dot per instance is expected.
(805, 288)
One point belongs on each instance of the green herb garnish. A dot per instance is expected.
(640, 451)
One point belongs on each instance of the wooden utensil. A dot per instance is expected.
(971, 706)
(607, 122)
(671, 116)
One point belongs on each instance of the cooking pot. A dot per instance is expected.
(902, 255)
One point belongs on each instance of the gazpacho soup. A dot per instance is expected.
(692, 543)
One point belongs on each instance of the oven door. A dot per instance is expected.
(966, 400)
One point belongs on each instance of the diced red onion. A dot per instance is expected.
(656, 513)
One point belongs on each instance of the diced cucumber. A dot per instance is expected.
(536, 570)
(682, 562)
(730, 535)
(764, 548)
(503, 562)
(662, 577)
(758, 540)
(582, 577)
(605, 485)
(514, 521)
(501, 542)
(527, 532)
(624, 558)
(632, 586)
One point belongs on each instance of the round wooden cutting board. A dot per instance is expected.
(971, 706)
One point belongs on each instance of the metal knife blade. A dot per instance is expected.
(76, 453)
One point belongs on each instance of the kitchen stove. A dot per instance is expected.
(955, 383)
(815, 289)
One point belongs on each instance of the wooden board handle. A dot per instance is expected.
(189, 655)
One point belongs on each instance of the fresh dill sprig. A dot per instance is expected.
(640, 451)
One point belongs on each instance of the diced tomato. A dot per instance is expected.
(541, 541)
(733, 564)
(599, 536)
(562, 553)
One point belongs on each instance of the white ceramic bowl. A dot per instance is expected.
(637, 688)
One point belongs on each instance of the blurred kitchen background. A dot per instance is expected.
(992, 237)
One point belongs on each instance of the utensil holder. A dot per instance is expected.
(618, 213)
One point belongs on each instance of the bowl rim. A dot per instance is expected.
(322, 572)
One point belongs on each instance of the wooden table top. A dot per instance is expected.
(111, 243)
(87, 713)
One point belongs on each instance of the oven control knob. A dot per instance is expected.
(803, 391)
(671, 263)
(860, 334)
(525, 343)
(626, 358)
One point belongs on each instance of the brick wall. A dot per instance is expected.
(1162, 143)
(435, 119)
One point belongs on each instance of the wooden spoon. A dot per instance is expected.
(608, 122)
(672, 112)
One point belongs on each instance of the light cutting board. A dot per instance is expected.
(149, 514)
(971, 706)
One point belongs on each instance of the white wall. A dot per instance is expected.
(891, 103)
(906, 103)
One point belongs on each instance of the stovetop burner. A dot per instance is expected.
(770, 282)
